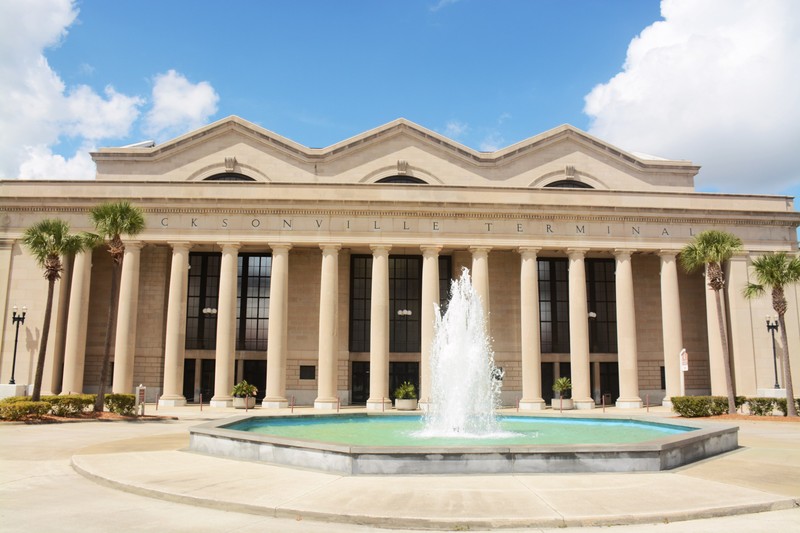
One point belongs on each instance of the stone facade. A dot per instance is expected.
(234, 188)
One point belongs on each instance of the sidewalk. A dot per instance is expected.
(145, 459)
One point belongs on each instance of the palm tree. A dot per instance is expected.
(774, 272)
(710, 249)
(49, 241)
(112, 220)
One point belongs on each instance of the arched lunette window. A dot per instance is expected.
(401, 179)
(229, 176)
(569, 184)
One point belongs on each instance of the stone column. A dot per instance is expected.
(480, 275)
(579, 330)
(627, 355)
(128, 307)
(225, 357)
(530, 340)
(715, 354)
(745, 334)
(327, 397)
(278, 328)
(75, 343)
(379, 331)
(175, 345)
(671, 328)
(430, 302)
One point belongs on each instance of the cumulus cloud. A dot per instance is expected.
(455, 129)
(179, 105)
(715, 82)
(37, 110)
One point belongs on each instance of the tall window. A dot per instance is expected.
(554, 305)
(252, 309)
(203, 291)
(252, 303)
(405, 297)
(602, 300)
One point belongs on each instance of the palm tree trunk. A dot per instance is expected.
(791, 408)
(110, 320)
(726, 359)
(48, 312)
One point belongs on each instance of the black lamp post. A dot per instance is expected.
(772, 326)
(16, 320)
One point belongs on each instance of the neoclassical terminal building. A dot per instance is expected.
(315, 273)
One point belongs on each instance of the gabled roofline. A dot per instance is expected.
(397, 126)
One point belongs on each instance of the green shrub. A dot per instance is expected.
(718, 405)
(761, 406)
(70, 405)
(17, 410)
(123, 404)
(780, 404)
(15, 399)
(692, 406)
(739, 401)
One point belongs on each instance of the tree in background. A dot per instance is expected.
(50, 241)
(774, 272)
(111, 221)
(710, 249)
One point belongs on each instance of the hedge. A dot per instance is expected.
(699, 406)
(17, 410)
(70, 405)
(780, 403)
(123, 404)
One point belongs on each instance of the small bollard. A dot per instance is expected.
(338, 403)
(201, 402)
(647, 402)
(292, 411)
(603, 401)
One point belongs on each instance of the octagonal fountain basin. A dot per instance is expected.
(363, 443)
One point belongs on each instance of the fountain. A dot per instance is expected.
(460, 432)
(464, 395)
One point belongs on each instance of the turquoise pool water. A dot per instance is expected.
(408, 431)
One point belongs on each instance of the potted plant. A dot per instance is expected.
(405, 397)
(561, 386)
(244, 395)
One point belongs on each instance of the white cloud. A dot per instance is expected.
(455, 129)
(717, 82)
(492, 142)
(441, 4)
(179, 105)
(35, 110)
(43, 164)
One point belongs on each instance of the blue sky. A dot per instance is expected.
(713, 81)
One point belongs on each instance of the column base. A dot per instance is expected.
(536, 404)
(584, 404)
(424, 405)
(274, 403)
(221, 401)
(379, 405)
(666, 402)
(629, 403)
(326, 403)
(171, 401)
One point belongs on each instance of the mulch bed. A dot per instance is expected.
(89, 416)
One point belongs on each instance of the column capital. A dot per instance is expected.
(623, 252)
(180, 245)
(229, 244)
(527, 251)
(330, 247)
(283, 246)
(133, 244)
(741, 255)
(380, 248)
(577, 253)
(476, 250)
(430, 249)
(667, 254)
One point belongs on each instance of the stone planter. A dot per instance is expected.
(563, 404)
(405, 404)
(244, 403)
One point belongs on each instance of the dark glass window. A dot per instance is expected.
(569, 184)
(201, 303)
(308, 372)
(602, 301)
(255, 271)
(554, 305)
(400, 179)
(229, 176)
(445, 280)
(405, 294)
(252, 303)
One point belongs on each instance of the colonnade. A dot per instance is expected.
(531, 357)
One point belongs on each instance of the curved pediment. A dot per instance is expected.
(400, 147)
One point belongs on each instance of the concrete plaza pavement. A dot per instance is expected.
(137, 476)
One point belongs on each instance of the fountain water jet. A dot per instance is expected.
(464, 393)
